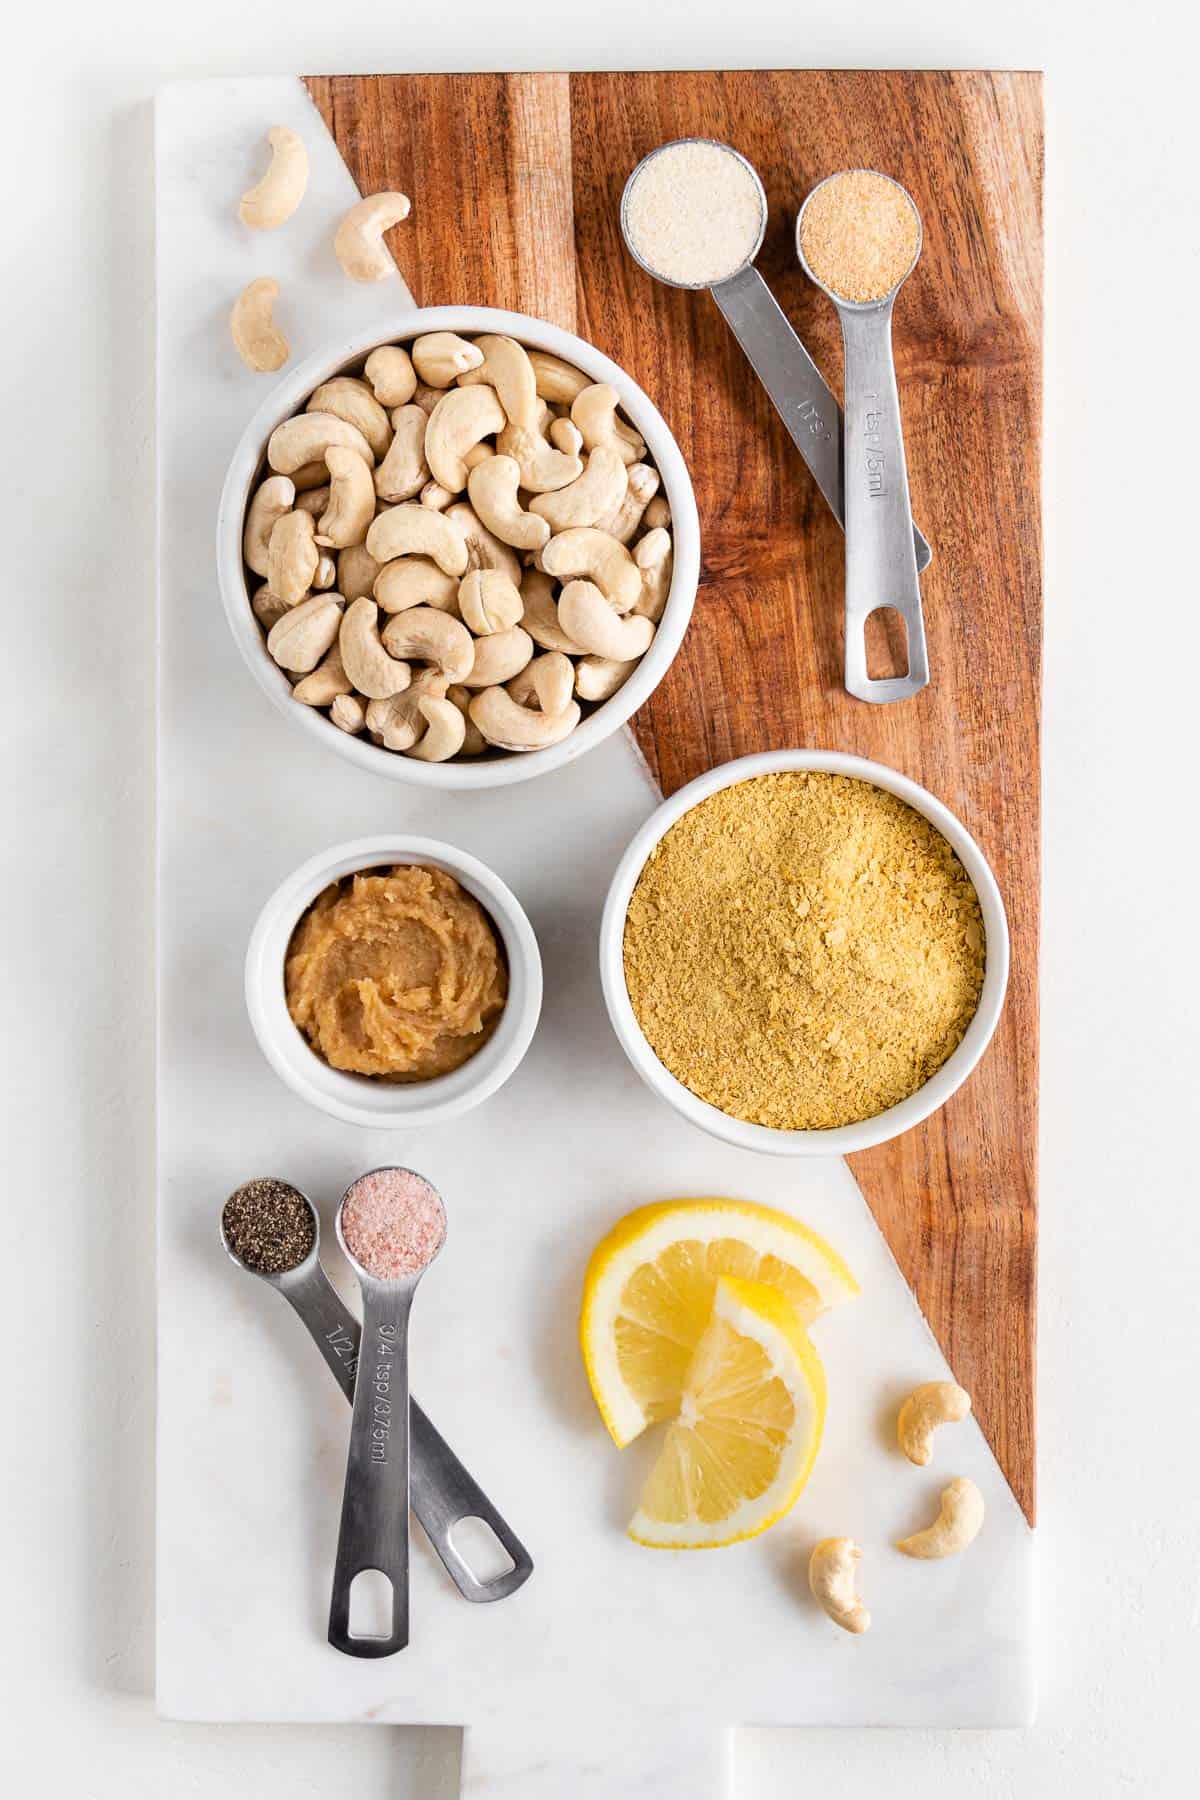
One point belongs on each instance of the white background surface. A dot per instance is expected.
(1120, 1458)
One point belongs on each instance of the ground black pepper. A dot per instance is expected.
(268, 1226)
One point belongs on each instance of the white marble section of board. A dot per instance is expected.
(611, 1643)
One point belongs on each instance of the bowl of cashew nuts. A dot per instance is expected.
(461, 552)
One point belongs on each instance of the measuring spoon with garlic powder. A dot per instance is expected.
(661, 234)
(391, 1224)
(881, 567)
(443, 1492)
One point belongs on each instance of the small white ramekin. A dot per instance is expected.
(288, 396)
(358, 1099)
(845, 1138)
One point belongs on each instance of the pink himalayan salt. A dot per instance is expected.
(393, 1222)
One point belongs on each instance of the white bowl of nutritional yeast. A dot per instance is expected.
(863, 1133)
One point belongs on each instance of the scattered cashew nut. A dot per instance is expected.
(512, 727)
(358, 243)
(371, 670)
(270, 500)
(488, 602)
(421, 634)
(932, 1404)
(273, 200)
(414, 530)
(959, 1522)
(441, 356)
(292, 557)
(301, 637)
(492, 485)
(831, 1570)
(351, 499)
(256, 337)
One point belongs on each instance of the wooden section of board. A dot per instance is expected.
(516, 181)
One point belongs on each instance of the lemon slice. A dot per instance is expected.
(748, 1430)
(648, 1295)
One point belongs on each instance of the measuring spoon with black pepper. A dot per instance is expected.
(443, 1493)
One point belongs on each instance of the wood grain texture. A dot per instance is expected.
(516, 182)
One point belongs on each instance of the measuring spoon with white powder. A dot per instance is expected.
(693, 215)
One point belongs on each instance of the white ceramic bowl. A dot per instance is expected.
(840, 1142)
(494, 769)
(358, 1099)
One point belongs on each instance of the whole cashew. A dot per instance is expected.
(592, 555)
(267, 607)
(831, 1578)
(372, 671)
(627, 515)
(358, 243)
(478, 453)
(599, 677)
(474, 743)
(300, 639)
(959, 1521)
(427, 397)
(422, 634)
(597, 494)
(327, 681)
(657, 514)
(549, 680)
(357, 571)
(274, 497)
(556, 380)
(302, 441)
(932, 1404)
(292, 557)
(507, 367)
(492, 485)
(256, 337)
(313, 500)
(588, 618)
(498, 658)
(435, 496)
(348, 398)
(461, 417)
(415, 581)
(348, 714)
(391, 375)
(440, 356)
(398, 721)
(351, 499)
(414, 530)
(594, 410)
(311, 479)
(483, 550)
(653, 558)
(540, 617)
(513, 727)
(565, 437)
(325, 573)
(488, 602)
(446, 730)
(273, 200)
(404, 471)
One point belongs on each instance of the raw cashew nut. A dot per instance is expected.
(435, 496)
(932, 1404)
(548, 681)
(461, 417)
(597, 494)
(398, 722)
(348, 713)
(623, 521)
(483, 550)
(256, 337)
(267, 607)
(269, 502)
(391, 375)
(959, 1521)
(488, 602)
(325, 573)
(441, 356)
(565, 437)
(422, 634)
(831, 1578)
(313, 500)
(358, 243)
(300, 639)
(310, 476)
(445, 731)
(273, 200)
(653, 558)
(599, 677)
(371, 670)
(414, 530)
(556, 380)
(588, 618)
(327, 681)
(474, 743)
(591, 555)
(657, 514)
(415, 581)
(348, 398)
(351, 499)
(492, 485)
(498, 658)
(513, 727)
(292, 557)
(507, 367)
(594, 410)
(302, 441)
(427, 397)
(403, 471)
(478, 453)
(540, 617)
(356, 572)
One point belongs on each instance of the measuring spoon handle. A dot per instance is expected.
(796, 387)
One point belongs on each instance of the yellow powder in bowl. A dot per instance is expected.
(803, 950)
(859, 233)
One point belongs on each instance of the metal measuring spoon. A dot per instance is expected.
(794, 384)
(881, 567)
(443, 1492)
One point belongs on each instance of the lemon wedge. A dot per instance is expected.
(648, 1295)
(748, 1430)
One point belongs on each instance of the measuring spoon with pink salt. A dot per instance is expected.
(391, 1224)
